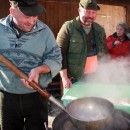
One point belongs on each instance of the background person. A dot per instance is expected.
(82, 42)
(118, 43)
(31, 46)
(128, 34)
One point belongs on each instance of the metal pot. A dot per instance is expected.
(89, 111)
(82, 112)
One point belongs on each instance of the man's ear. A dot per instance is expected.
(79, 9)
(11, 10)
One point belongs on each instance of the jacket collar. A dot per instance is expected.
(125, 37)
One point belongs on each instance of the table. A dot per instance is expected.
(118, 94)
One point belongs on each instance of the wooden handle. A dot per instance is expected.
(20, 74)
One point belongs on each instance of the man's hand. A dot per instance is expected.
(66, 82)
(34, 74)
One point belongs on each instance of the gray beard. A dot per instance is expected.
(87, 23)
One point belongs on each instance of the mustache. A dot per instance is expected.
(88, 18)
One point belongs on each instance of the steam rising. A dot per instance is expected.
(115, 71)
(114, 77)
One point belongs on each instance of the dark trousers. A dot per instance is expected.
(18, 111)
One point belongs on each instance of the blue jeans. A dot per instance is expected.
(18, 111)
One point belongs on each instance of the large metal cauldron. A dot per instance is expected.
(89, 111)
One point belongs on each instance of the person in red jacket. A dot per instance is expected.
(118, 43)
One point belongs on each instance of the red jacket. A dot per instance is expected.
(118, 50)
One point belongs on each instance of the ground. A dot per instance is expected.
(52, 113)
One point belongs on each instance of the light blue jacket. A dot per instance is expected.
(32, 49)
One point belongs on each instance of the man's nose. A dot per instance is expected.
(90, 14)
(32, 20)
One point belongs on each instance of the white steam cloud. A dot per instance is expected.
(111, 80)
(115, 71)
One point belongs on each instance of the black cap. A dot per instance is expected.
(29, 7)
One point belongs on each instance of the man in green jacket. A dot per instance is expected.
(82, 42)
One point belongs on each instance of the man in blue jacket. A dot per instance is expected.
(30, 45)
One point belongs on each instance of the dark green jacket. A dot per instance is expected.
(72, 41)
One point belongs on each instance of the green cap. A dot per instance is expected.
(89, 4)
